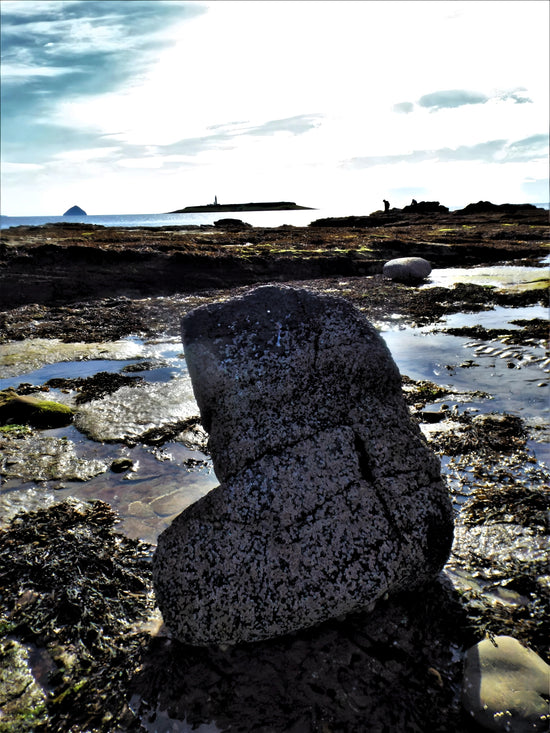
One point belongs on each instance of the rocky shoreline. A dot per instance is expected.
(65, 262)
(78, 623)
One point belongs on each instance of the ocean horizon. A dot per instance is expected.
(298, 217)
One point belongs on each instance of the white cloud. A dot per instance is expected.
(86, 155)
(24, 71)
(148, 163)
(268, 99)
(20, 167)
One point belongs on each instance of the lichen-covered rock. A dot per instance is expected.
(330, 496)
(407, 269)
(506, 686)
(22, 700)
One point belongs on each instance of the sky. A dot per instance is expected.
(147, 106)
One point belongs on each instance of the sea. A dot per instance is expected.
(298, 218)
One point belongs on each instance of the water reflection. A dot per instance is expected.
(447, 360)
(162, 481)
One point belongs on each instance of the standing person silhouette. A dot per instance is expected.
(386, 205)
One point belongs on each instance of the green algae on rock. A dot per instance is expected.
(20, 357)
(39, 413)
(22, 699)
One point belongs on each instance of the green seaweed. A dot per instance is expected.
(15, 430)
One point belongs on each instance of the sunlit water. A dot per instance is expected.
(512, 277)
(510, 375)
(165, 480)
(297, 218)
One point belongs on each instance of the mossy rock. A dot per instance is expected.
(24, 410)
(22, 700)
(15, 430)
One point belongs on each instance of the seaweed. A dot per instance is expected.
(78, 589)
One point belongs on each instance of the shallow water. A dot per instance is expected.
(515, 377)
(165, 480)
(512, 277)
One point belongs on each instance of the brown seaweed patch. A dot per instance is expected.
(481, 434)
(422, 391)
(95, 387)
(536, 328)
(75, 587)
(516, 504)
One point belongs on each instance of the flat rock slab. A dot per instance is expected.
(506, 686)
(330, 497)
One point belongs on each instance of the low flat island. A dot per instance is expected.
(263, 206)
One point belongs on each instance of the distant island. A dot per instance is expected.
(264, 206)
(75, 211)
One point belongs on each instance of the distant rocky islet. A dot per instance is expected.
(75, 211)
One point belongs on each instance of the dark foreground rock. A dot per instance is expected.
(330, 497)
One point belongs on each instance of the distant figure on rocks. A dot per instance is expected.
(414, 202)
(386, 205)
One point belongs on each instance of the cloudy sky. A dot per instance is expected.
(145, 106)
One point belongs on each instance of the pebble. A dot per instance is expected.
(504, 686)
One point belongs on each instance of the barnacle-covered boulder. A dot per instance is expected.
(330, 497)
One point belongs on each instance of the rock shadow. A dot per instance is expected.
(397, 668)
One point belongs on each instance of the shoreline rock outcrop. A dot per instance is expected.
(330, 497)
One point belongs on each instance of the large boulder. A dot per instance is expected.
(330, 497)
(407, 269)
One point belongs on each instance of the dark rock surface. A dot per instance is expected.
(426, 207)
(330, 498)
(232, 224)
(488, 207)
